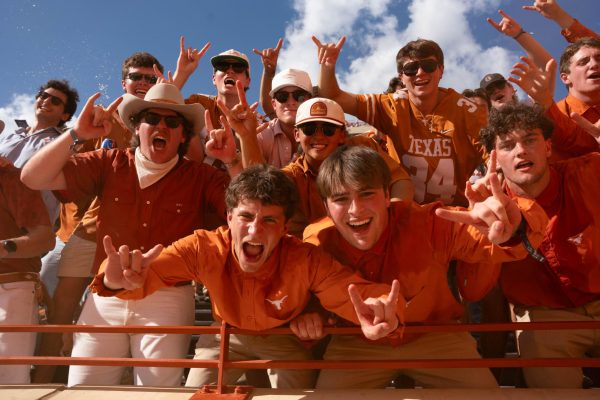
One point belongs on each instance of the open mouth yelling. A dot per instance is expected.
(140, 93)
(159, 142)
(524, 166)
(252, 251)
(594, 76)
(229, 82)
(421, 82)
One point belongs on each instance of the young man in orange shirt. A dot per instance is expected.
(403, 241)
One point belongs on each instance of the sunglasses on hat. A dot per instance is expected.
(171, 121)
(57, 101)
(136, 76)
(298, 95)
(310, 128)
(224, 66)
(411, 68)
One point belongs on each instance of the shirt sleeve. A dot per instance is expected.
(577, 31)
(569, 137)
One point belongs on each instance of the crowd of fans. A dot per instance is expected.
(289, 219)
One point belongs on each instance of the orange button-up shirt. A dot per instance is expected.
(568, 138)
(416, 249)
(270, 297)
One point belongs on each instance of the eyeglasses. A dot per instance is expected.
(136, 76)
(224, 66)
(310, 128)
(411, 68)
(57, 101)
(172, 121)
(298, 95)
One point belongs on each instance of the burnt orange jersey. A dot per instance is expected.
(440, 151)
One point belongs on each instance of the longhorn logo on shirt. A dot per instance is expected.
(278, 303)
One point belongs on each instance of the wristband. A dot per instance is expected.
(522, 31)
(76, 140)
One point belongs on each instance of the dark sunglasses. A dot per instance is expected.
(57, 101)
(136, 76)
(224, 66)
(172, 121)
(411, 68)
(298, 95)
(310, 128)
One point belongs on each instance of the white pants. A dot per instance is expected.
(168, 306)
(18, 305)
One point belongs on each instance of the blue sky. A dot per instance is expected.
(85, 42)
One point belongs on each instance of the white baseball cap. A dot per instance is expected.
(320, 109)
(231, 54)
(291, 77)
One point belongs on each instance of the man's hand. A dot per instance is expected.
(269, 57)
(242, 118)
(308, 326)
(481, 190)
(221, 144)
(127, 269)
(328, 53)
(187, 62)
(95, 120)
(547, 9)
(592, 129)
(538, 84)
(497, 217)
(507, 25)
(377, 317)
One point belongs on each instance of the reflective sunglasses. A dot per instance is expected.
(224, 66)
(57, 101)
(298, 95)
(171, 121)
(136, 76)
(427, 65)
(310, 128)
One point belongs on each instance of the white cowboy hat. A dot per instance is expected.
(162, 95)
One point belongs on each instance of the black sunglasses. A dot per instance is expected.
(298, 95)
(172, 121)
(411, 68)
(57, 101)
(310, 128)
(136, 76)
(224, 66)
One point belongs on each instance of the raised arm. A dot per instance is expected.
(44, 170)
(187, 62)
(328, 54)
(269, 59)
(511, 28)
(571, 29)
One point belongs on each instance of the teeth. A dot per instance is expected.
(254, 243)
(356, 224)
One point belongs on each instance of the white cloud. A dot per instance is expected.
(375, 35)
(20, 107)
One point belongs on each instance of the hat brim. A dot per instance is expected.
(131, 105)
(225, 57)
(321, 119)
(488, 84)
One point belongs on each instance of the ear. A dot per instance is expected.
(548, 148)
(65, 117)
(297, 134)
(326, 207)
(229, 217)
(441, 71)
(123, 86)
(273, 103)
(564, 77)
(213, 79)
(388, 200)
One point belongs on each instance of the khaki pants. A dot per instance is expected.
(245, 347)
(558, 344)
(428, 346)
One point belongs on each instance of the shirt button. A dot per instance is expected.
(144, 224)
(178, 211)
(147, 201)
(116, 199)
(142, 247)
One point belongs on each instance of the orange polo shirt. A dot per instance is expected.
(270, 297)
(416, 248)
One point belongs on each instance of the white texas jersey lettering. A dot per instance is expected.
(440, 151)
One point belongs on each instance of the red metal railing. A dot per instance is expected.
(222, 363)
